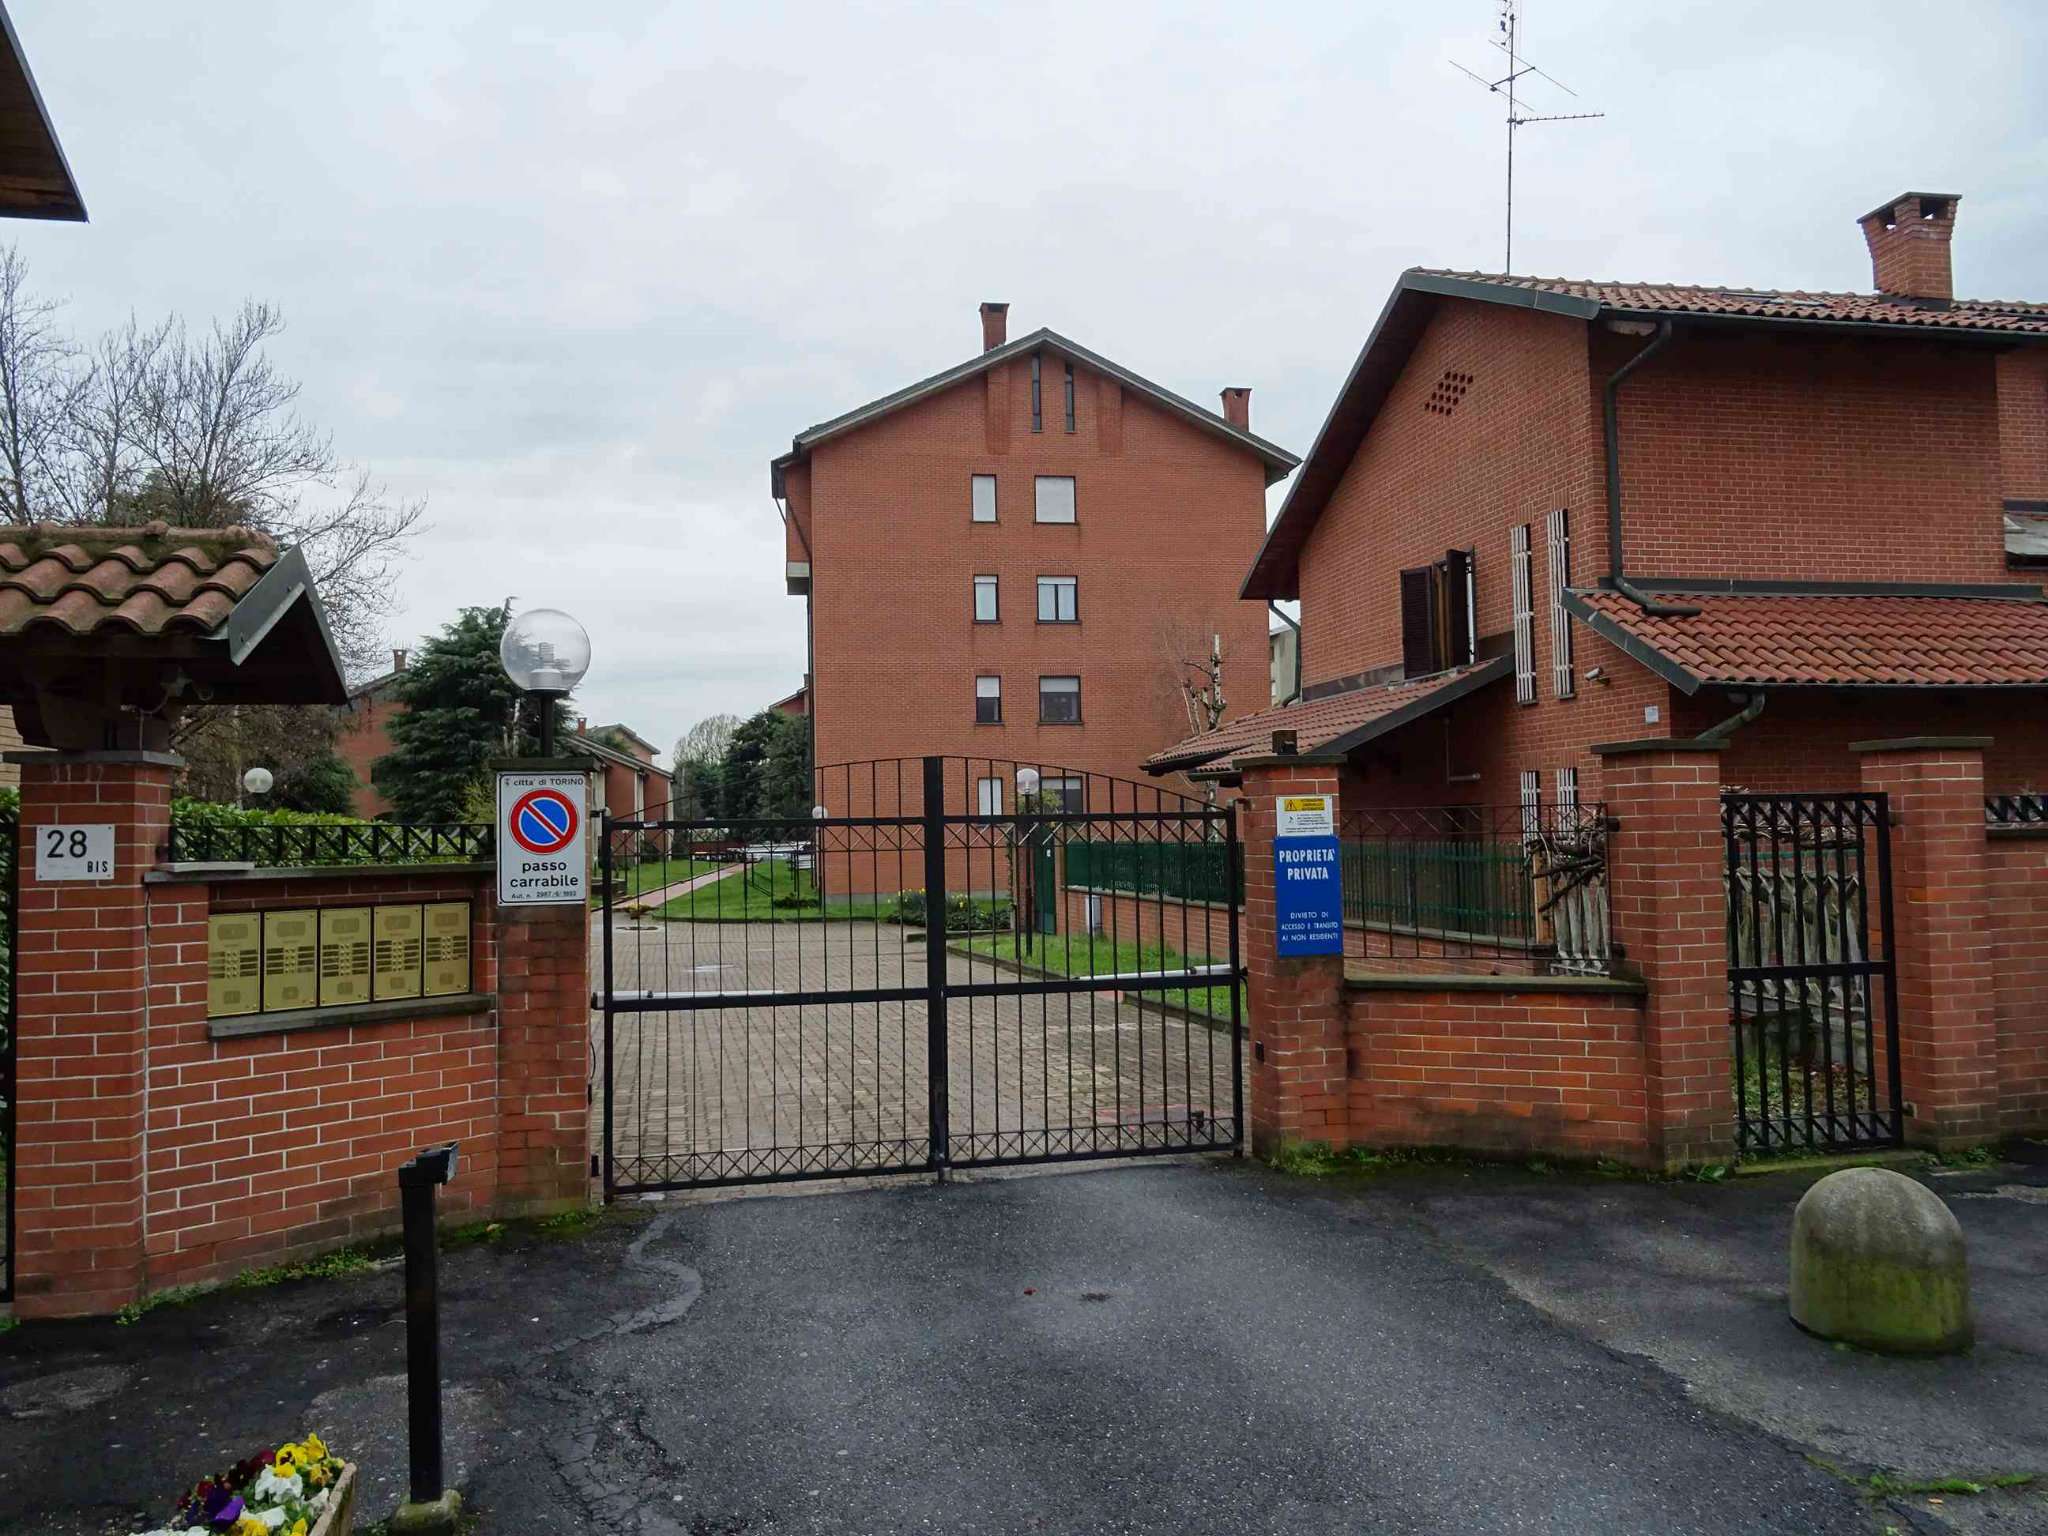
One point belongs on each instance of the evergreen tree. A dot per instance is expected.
(324, 782)
(461, 710)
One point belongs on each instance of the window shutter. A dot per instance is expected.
(1460, 602)
(1418, 622)
(1532, 802)
(1525, 637)
(1558, 535)
(1567, 789)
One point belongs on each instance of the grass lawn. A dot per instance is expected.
(653, 874)
(771, 891)
(1082, 954)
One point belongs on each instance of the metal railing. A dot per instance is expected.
(1515, 889)
(1180, 871)
(2024, 810)
(369, 842)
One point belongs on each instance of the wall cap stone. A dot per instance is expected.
(1658, 744)
(1457, 981)
(29, 758)
(1923, 744)
(239, 874)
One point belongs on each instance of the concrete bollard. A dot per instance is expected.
(1878, 1260)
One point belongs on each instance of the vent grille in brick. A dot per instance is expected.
(1448, 393)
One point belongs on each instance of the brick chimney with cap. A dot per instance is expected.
(1237, 407)
(1909, 245)
(995, 326)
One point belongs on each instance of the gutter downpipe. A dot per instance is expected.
(1718, 735)
(1610, 421)
(1296, 627)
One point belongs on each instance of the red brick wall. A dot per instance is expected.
(365, 736)
(1168, 519)
(1195, 930)
(2017, 908)
(1780, 457)
(2023, 424)
(1492, 1071)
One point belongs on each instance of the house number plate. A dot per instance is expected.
(74, 853)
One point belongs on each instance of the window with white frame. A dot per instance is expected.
(1567, 782)
(1058, 600)
(984, 498)
(1558, 536)
(1059, 701)
(1055, 499)
(988, 701)
(984, 599)
(989, 797)
(1525, 619)
(1532, 802)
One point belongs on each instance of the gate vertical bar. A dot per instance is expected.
(10, 904)
(604, 875)
(1234, 896)
(936, 1085)
(1897, 1117)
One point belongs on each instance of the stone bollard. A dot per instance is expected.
(1878, 1260)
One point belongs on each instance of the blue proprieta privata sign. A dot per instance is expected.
(1307, 888)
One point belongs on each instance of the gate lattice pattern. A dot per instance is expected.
(1813, 999)
(916, 980)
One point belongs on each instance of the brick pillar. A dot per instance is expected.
(1295, 1067)
(1942, 935)
(81, 983)
(1670, 916)
(543, 963)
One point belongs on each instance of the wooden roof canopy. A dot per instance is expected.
(35, 180)
(107, 633)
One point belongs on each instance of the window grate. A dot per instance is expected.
(1558, 536)
(1525, 618)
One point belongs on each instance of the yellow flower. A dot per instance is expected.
(249, 1525)
(289, 1459)
(315, 1447)
(298, 1527)
(317, 1476)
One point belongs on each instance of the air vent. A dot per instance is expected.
(1448, 393)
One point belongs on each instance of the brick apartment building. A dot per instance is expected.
(1545, 514)
(999, 562)
(625, 779)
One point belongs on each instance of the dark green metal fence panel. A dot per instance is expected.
(1190, 871)
(1444, 886)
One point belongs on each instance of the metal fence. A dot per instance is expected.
(9, 889)
(2028, 810)
(369, 842)
(1515, 889)
(1181, 871)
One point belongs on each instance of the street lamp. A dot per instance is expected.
(257, 781)
(1024, 908)
(545, 653)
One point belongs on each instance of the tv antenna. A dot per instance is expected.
(1509, 43)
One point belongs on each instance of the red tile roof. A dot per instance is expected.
(1336, 723)
(1831, 639)
(1775, 304)
(147, 580)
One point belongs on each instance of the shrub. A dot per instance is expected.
(964, 913)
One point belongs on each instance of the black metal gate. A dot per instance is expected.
(1813, 1001)
(10, 888)
(950, 963)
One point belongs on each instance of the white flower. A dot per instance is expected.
(319, 1500)
(272, 1517)
(269, 1485)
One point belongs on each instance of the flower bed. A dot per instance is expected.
(299, 1489)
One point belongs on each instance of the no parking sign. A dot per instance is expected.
(543, 854)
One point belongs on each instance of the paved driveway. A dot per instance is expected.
(843, 1085)
(1170, 1348)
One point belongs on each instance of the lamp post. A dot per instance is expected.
(1026, 905)
(545, 653)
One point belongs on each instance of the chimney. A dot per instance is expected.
(995, 326)
(1237, 407)
(398, 659)
(582, 726)
(1909, 245)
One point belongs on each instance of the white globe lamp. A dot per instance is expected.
(545, 653)
(257, 781)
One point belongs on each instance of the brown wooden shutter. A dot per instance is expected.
(1457, 569)
(1418, 621)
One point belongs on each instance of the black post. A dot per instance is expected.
(935, 960)
(547, 723)
(417, 1181)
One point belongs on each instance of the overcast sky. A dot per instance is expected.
(576, 273)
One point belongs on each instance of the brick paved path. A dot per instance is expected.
(700, 1093)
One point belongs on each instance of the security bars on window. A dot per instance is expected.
(1525, 627)
(1558, 534)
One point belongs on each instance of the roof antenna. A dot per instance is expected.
(1509, 43)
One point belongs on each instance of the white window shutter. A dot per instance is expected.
(1525, 636)
(1532, 802)
(1559, 537)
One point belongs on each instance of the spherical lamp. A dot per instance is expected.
(545, 653)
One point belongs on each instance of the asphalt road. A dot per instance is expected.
(1182, 1349)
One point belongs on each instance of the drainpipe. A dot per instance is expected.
(1610, 420)
(1718, 735)
(1291, 624)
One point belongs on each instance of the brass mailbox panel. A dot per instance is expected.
(446, 948)
(234, 964)
(344, 955)
(291, 970)
(396, 934)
